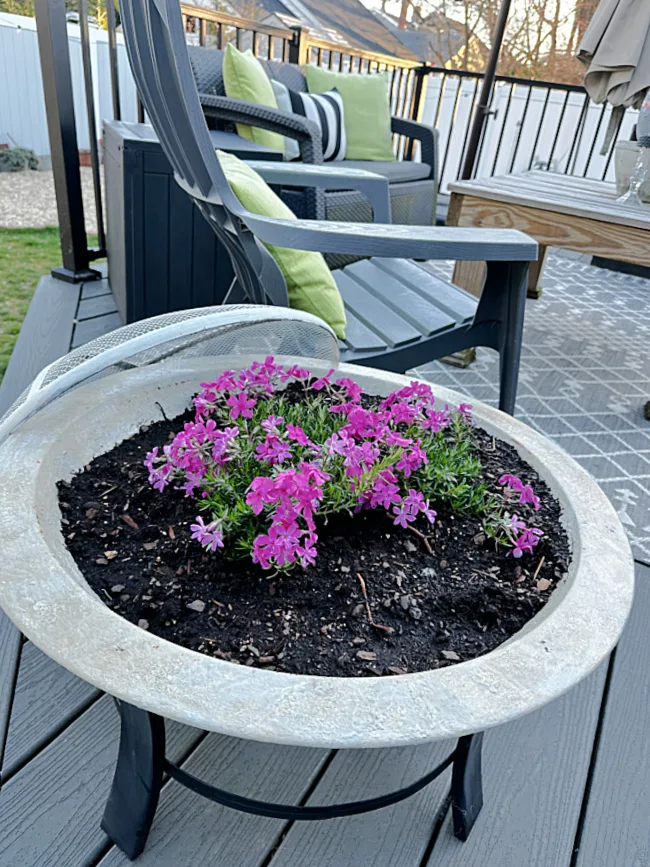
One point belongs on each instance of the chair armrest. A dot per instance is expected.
(330, 176)
(402, 242)
(283, 122)
(426, 135)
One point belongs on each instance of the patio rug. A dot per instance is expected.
(585, 377)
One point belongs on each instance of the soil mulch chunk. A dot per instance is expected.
(379, 600)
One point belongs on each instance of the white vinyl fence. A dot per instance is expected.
(22, 104)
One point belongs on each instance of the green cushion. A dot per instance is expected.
(244, 78)
(310, 285)
(367, 110)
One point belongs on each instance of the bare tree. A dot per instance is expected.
(540, 41)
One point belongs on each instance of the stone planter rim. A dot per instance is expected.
(49, 601)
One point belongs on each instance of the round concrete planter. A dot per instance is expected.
(44, 593)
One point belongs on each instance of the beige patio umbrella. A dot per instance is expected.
(616, 52)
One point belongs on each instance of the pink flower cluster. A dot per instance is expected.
(265, 467)
(526, 493)
(521, 537)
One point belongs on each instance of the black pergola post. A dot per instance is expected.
(485, 97)
(59, 105)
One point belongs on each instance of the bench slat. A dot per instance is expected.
(423, 315)
(392, 329)
(359, 338)
(449, 298)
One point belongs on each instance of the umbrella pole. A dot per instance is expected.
(486, 91)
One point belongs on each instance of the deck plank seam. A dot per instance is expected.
(185, 757)
(438, 825)
(12, 695)
(302, 803)
(595, 748)
(9, 774)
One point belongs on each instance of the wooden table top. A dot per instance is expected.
(560, 193)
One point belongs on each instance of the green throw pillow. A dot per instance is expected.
(367, 110)
(244, 78)
(310, 285)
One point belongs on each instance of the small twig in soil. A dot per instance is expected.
(539, 566)
(494, 444)
(425, 540)
(371, 619)
(159, 405)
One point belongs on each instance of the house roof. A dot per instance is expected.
(345, 21)
(437, 39)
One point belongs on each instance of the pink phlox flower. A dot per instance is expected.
(320, 384)
(261, 493)
(208, 535)
(416, 503)
(272, 424)
(525, 543)
(392, 438)
(314, 473)
(526, 493)
(528, 496)
(150, 458)
(338, 443)
(404, 516)
(241, 405)
(294, 372)
(352, 389)
(297, 434)
(384, 491)
(402, 413)
(273, 449)
(363, 423)
(516, 524)
(193, 481)
(412, 459)
(435, 420)
(512, 482)
(465, 409)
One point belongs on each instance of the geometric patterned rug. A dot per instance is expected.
(584, 379)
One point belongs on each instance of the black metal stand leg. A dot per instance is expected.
(510, 352)
(466, 785)
(132, 802)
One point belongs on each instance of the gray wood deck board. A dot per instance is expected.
(89, 329)
(10, 644)
(45, 336)
(51, 809)
(98, 305)
(393, 837)
(95, 288)
(188, 830)
(534, 780)
(617, 828)
(46, 699)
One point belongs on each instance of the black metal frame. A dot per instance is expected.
(141, 765)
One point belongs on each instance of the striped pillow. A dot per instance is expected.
(326, 110)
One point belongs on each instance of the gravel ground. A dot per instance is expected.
(27, 200)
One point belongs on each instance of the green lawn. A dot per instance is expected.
(25, 256)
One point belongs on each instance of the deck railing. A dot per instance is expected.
(530, 123)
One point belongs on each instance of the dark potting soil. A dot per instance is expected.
(376, 602)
